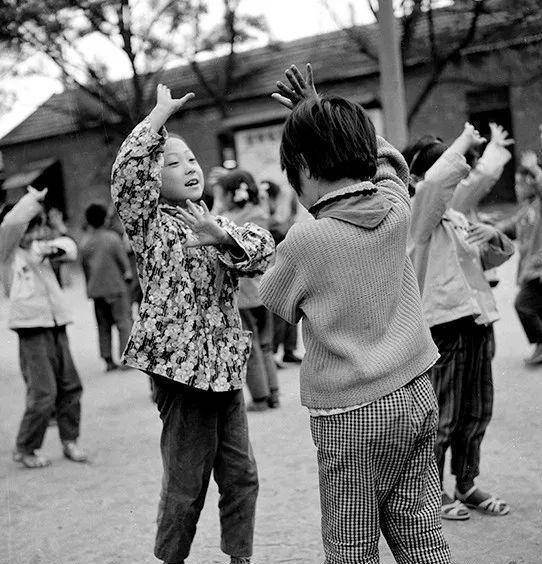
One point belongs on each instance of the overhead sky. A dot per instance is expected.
(287, 19)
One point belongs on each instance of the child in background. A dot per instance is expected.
(108, 274)
(283, 207)
(39, 315)
(526, 227)
(368, 348)
(188, 334)
(242, 205)
(450, 254)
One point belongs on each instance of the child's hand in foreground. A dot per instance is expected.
(481, 233)
(500, 136)
(205, 229)
(302, 88)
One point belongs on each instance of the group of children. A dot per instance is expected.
(387, 279)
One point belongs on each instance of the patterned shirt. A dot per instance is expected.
(188, 328)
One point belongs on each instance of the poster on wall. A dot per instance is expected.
(258, 152)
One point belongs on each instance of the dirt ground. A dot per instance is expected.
(104, 512)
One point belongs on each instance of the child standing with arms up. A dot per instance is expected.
(188, 335)
(368, 349)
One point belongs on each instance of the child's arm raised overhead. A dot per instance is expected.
(16, 221)
(485, 174)
(434, 192)
(136, 174)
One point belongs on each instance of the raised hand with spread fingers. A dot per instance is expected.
(302, 87)
(166, 106)
(203, 225)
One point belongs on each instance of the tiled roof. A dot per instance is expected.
(334, 57)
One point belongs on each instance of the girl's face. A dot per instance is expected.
(182, 177)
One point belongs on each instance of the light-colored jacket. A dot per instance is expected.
(36, 299)
(450, 271)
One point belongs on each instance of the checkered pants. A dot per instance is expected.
(377, 472)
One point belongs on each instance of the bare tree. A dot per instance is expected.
(150, 35)
(442, 51)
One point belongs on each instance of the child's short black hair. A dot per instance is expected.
(330, 138)
(423, 154)
(241, 186)
(95, 215)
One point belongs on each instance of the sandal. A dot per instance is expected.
(482, 502)
(453, 510)
(31, 460)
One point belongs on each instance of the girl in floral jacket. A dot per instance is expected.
(188, 334)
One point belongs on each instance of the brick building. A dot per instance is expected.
(495, 78)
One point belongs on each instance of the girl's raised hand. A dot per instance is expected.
(472, 135)
(204, 227)
(500, 136)
(38, 195)
(302, 87)
(166, 103)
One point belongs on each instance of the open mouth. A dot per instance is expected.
(192, 182)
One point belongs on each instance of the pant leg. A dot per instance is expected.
(69, 389)
(476, 406)
(265, 332)
(279, 331)
(528, 306)
(121, 312)
(188, 444)
(410, 513)
(290, 338)
(256, 367)
(36, 356)
(347, 447)
(104, 321)
(236, 474)
(447, 380)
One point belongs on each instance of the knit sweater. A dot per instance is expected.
(348, 277)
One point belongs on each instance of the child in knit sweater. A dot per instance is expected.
(368, 349)
(188, 335)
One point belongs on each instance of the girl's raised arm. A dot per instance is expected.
(136, 174)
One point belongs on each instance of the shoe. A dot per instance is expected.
(73, 452)
(291, 357)
(260, 405)
(31, 460)
(273, 399)
(239, 560)
(110, 366)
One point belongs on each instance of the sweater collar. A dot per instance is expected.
(358, 204)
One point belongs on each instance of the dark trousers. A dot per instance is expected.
(204, 432)
(529, 309)
(284, 334)
(113, 311)
(463, 383)
(52, 384)
(261, 370)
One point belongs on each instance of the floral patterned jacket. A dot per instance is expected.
(188, 328)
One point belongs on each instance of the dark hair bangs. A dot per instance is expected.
(330, 139)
